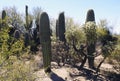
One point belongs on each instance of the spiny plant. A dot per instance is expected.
(10, 48)
(91, 36)
(8, 45)
(108, 42)
(3, 14)
(45, 40)
(28, 18)
(26, 39)
(60, 27)
(26, 11)
(3, 18)
(90, 15)
(36, 40)
(57, 29)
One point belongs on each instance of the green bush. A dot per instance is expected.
(77, 34)
(16, 70)
(12, 68)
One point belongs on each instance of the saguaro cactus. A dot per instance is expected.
(3, 14)
(57, 29)
(44, 30)
(26, 11)
(90, 15)
(3, 19)
(27, 39)
(60, 27)
(91, 36)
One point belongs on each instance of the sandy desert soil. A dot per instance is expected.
(70, 73)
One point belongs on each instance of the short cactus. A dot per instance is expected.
(17, 34)
(45, 40)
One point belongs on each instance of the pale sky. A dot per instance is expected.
(77, 9)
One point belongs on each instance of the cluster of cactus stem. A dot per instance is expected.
(60, 27)
(90, 30)
(45, 40)
(31, 39)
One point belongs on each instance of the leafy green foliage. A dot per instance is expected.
(107, 40)
(91, 37)
(16, 70)
(9, 45)
(11, 50)
(90, 31)
(115, 56)
(75, 33)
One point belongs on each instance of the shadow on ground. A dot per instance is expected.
(93, 76)
(55, 77)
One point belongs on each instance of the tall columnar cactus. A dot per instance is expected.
(26, 11)
(90, 30)
(44, 30)
(3, 18)
(3, 14)
(61, 27)
(90, 15)
(57, 30)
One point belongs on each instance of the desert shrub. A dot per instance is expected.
(77, 35)
(16, 70)
(12, 68)
(8, 44)
(115, 56)
(59, 52)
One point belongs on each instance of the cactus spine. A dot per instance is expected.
(91, 37)
(26, 11)
(44, 30)
(60, 27)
